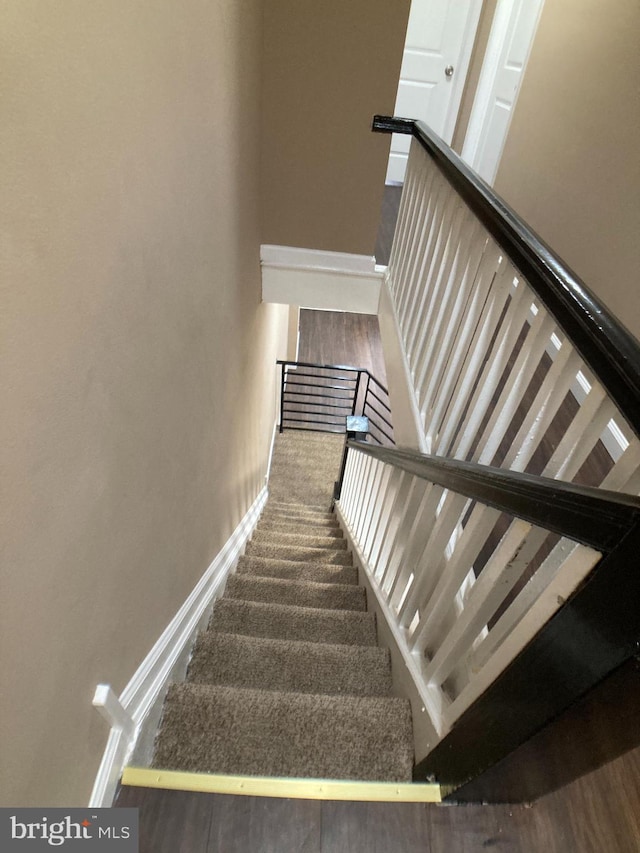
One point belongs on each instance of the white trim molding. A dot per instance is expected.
(127, 712)
(326, 281)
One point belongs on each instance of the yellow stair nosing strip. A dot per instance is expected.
(264, 786)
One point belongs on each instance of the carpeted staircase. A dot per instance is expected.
(288, 679)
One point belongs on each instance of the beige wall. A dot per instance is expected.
(329, 67)
(137, 360)
(571, 165)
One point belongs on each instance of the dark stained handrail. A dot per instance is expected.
(607, 347)
(594, 517)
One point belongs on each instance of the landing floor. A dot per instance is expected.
(589, 816)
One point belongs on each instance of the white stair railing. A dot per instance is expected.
(496, 379)
(419, 542)
(515, 365)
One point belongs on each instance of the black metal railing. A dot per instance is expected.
(320, 397)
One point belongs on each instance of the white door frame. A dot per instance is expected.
(460, 73)
(482, 102)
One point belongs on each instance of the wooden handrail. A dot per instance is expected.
(607, 347)
(594, 517)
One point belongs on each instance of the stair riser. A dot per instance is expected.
(283, 506)
(268, 537)
(292, 570)
(302, 529)
(282, 622)
(322, 518)
(298, 594)
(304, 555)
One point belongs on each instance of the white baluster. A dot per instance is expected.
(451, 572)
(524, 368)
(625, 474)
(395, 538)
(584, 431)
(363, 483)
(450, 513)
(460, 269)
(415, 176)
(467, 379)
(492, 371)
(440, 402)
(449, 207)
(432, 309)
(490, 589)
(549, 398)
(426, 212)
(373, 503)
(562, 571)
(415, 530)
(393, 501)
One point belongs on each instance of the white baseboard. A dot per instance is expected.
(127, 713)
(326, 281)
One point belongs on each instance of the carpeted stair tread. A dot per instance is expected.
(298, 528)
(337, 557)
(302, 667)
(296, 571)
(268, 537)
(289, 506)
(288, 622)
(300, 515)
(322, 510)
(316, 523)
(299, 593)
(268, 733)
(292, 445)
(304, 468)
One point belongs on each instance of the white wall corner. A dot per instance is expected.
(127, 712)
(327, 281)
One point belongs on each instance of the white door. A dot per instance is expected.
(435, 61)
(512, 33)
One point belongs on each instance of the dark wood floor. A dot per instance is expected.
(587, 817)
(216, 823)
(336, 337)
